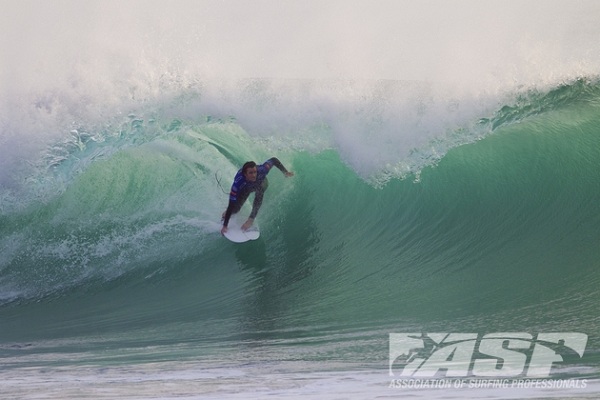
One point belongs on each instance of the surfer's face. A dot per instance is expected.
(250, 174)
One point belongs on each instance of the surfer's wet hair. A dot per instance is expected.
(246, 166)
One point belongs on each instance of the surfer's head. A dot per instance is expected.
(249, 171)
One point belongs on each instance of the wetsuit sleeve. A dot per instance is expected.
(258, 198)
(275, 161)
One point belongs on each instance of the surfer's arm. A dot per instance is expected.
(275, 161)
(258, 198)
(248, 224)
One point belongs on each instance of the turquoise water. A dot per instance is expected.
(120, 264)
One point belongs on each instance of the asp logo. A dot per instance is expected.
(513, 354)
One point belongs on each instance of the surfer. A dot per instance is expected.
(251, 178)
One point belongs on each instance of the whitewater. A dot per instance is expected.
(446, 191)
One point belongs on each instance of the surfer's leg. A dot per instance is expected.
(237, 206)
(241, 199)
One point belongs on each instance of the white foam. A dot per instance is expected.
(188, 380)
(74, 65)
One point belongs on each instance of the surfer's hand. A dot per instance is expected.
(288, 174)
(223, 230)
(247, 224)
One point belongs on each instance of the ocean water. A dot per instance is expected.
(462, 199)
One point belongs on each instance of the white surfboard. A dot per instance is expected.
(236, 234)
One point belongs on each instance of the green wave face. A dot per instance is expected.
(496, 234)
